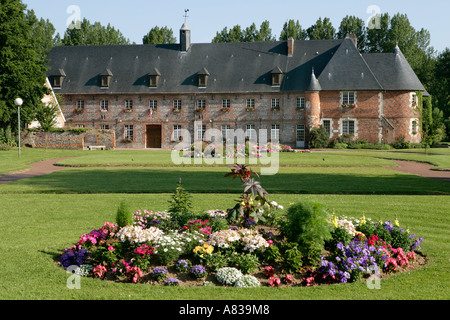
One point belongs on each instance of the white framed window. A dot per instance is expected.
(328, 125)
(348, 126)
(129, 132)
(128, 104)
(300, 133)
(153, 105)
(226, 103)
(348, 97)
(104, 105)
(226, 130)
(250, 104)
(177, 105)
(104, 126)
(176, 132)
(275, 132)
(275, 103)
(201, 129)
(414, 100)
(300, 103)
(80, 105)
(250, 132)
(201, 104)
(414, 127)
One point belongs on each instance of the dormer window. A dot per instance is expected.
(57, 82)
(203, 76)
(59, 78)
(106, 78)
(154, 78)
(277, 76)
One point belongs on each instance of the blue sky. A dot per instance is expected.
(134, 18)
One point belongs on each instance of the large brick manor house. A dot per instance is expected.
(148, 93)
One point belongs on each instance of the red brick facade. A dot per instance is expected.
(369, 118)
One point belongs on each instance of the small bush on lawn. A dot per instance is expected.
(306, 224)
(310, 243)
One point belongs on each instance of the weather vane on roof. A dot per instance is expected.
(185, 15)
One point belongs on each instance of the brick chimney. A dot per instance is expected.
(290, 44)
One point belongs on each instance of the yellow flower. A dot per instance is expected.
(334, 220)
(363, 220)
(396, 223)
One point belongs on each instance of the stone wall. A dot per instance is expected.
(69, 140)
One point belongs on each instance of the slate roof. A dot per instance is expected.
(232, 67)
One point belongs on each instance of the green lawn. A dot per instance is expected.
(36, 228)
(301, 180)
(41, 216)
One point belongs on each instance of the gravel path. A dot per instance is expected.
(421, 169)
(38, 169)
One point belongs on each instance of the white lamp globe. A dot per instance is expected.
(18, 102)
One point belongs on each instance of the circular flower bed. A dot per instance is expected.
(255, 243)
(237, 256)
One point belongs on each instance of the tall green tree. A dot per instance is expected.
(292, 29)
(22, 69)
(440, 88)
(377, 35)
(249, 34)
(264, 33)
(235, 34)
(352, 24)
(321, 30)
(93, 34)
(42, 34)
(46, 115)
(159, 35)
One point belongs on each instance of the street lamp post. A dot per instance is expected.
(18, 102)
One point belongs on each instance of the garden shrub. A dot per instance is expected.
(338, 235)
(124, 216)
(181, 201)
(319, 138)
(247, 263)
(306, 224)
(247, 281)
(291, 257)
(228, 275)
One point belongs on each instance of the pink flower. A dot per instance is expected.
(287, 279)
(100, 271)
(274, 282)
(269, 271)
(110, 248)
(269, 241)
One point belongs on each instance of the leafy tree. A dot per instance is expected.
(321, 30)
(234, 35)
(352, 24)
(433, 128)
(22, 69)
(158, 35)
(250, 34)
(292, 29)
(42, 34)
(440, 88)
(93, 34)
(377, 37)
(46, 115)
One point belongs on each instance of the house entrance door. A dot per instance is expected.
(154, 136)
(300, 133)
